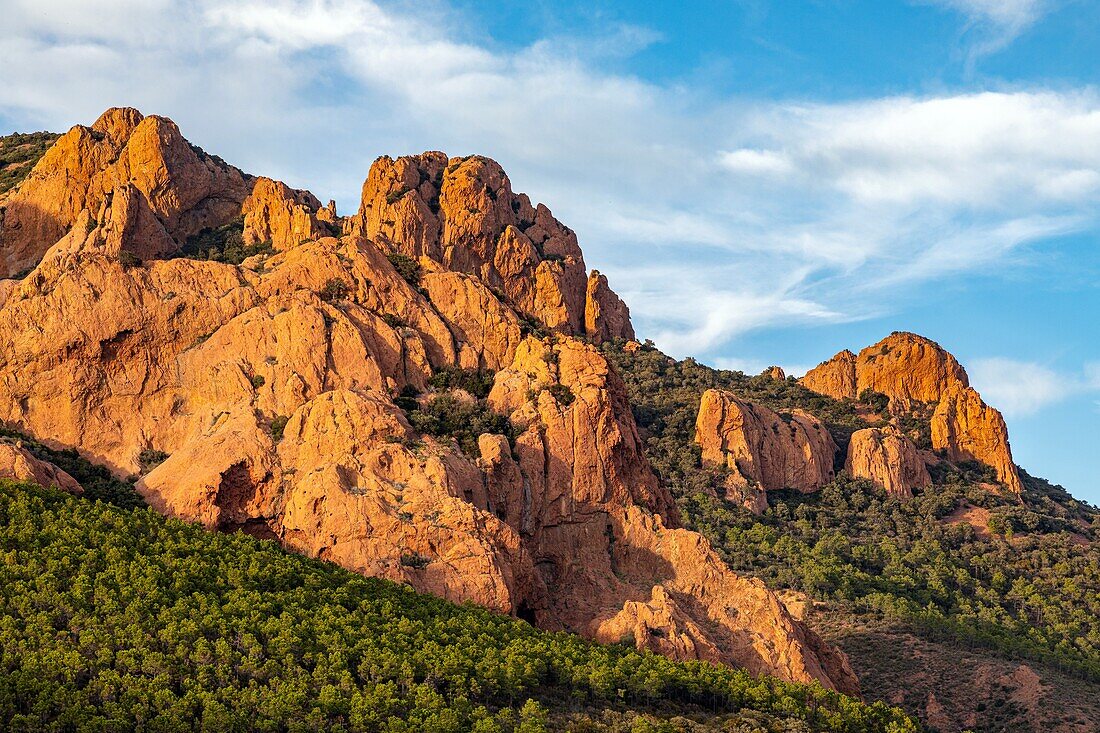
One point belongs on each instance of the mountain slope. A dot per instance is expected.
(1009, 578)
(256, 362)
(120, 619)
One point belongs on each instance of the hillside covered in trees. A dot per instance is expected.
(119, 619)
(1016, 577)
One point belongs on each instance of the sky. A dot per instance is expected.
(763, 182)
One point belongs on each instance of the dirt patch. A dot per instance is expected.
(975, 516)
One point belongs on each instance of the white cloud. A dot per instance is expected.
(712, 216)
(1021, 388)
(999, 22)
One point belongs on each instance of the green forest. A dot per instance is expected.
(1027, 585)
(119, 619)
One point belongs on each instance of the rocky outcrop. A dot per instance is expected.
(271, 386)
(759, 447)
(171, 189)
(603, 532)
(462, 214)
(966, 428)
(889, 459)
(276, 213)
(905, 367)
(915, 373)
(606, 316)
(835, 377)
(774, 372)
(18, 464)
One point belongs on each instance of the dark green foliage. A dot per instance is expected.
(150, 458)
(128, 259)
(1036, 595)
(562, 394)
(223, 244)
(126, 620)
(877, 401)
(257, 381)
(476, 382)
(335, 289)
(406, 400)
(446, 417)
(393, 321)
(406, 267)
(414, 560)
(278, 425)
(393, 196)
(19, 152)
(99, 483)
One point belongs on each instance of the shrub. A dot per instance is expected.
(477, 382)
(414, 560)
(406, 267)
(445, 417)
(877, 401)
(223, 244)
(278, 425)
(562, 394)
(150, 458)
(335, 289)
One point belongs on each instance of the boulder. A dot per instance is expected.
(889, 459)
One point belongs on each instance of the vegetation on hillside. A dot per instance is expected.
(114, 619)
(1026, 582)
(223, 244)
(18, 154)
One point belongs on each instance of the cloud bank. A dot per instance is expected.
(713, 216)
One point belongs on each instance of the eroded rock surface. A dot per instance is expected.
(760, 447)
(915, 372)
(271, 387)
(888, 458)
(18, 464)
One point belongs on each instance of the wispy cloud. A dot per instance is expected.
(713, 216)
(1022, 388)
(996, 22)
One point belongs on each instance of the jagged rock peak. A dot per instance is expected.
(914, 371)
(462, 214)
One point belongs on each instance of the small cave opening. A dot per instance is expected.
(525, 612)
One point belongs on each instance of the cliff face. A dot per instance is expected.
(913, 371)
(179, 189)
(761, 449)
(889, 459)
(270, 386)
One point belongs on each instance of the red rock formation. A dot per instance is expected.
(905, 367)
(774, 372)
(888, 458)
(606, 316)
(275, 213)
(914, 371)
(270, 385)
(163, 176)
(760, 447)
(966, 428)
(18, 464)
(462, 214)
(835, 377)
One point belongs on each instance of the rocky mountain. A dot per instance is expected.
(299, 395)
(914, 374)
(435, 390)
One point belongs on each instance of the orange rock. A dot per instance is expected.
(606, 316)
(968, 429)
(462, 214)
(275, 213)
(270, 386)
(760, 447)
(888, 458)
(17, 463)
(912, 370)
(835, 377)
(775, 372)
(183, 189)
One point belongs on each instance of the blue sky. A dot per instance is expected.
(764, 182)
